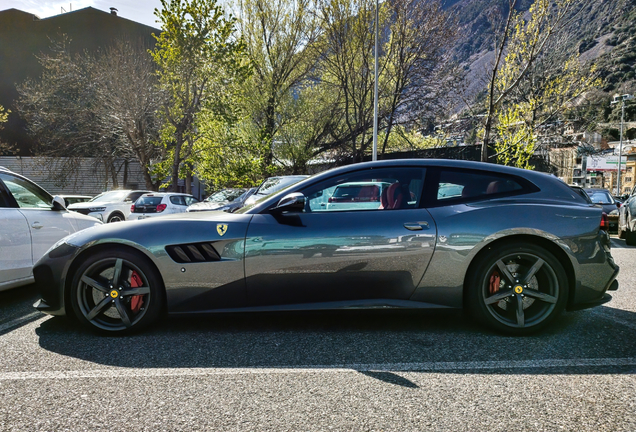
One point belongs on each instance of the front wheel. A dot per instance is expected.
(517, 289)
(117, 291)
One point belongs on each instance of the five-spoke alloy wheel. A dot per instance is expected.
(517, 289)
(116, 291)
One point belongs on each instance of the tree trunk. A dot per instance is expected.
(484, 146)
(148, 179)
(126, 173)
(176, 161)
(188, 180)
(113, 173)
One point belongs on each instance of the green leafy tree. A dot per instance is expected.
(517, 49)
(4, 116)
(551, 89)
(199, 57)
(280, 37)
(414, 34)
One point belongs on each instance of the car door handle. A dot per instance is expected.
(416, 226)
(36, 225)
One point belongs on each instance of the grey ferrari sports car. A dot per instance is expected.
(513, 247)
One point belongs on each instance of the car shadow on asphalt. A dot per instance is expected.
(349, 338)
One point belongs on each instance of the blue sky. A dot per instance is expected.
(135, 10)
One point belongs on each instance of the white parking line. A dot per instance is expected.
(18, 321)
(350, 368)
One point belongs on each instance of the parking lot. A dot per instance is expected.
(387, 370)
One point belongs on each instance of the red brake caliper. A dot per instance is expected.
(136, 301)
(494, 282)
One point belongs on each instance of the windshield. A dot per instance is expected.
(110, 196)
(150, 200)
(277, 187)
(274, 184)
(225, 195)
(600, 197)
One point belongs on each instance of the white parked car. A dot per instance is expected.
(159, 204)
(111, 206)
(32, 222)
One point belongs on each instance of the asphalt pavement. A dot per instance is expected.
(340, 371)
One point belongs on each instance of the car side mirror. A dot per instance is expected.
(58, 203)
(293, 202)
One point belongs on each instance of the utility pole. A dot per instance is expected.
(622, 100)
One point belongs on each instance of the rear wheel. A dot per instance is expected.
(621, 232)
(116, 217)
(517, 289)
(117, 291)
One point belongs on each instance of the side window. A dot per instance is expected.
(467, 185)
(134, 196)
(190, 200)
(378, 189)
(26, 194)
(177, 200)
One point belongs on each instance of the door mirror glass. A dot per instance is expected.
(294, 202)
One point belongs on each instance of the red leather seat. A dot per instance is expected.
(392, 197)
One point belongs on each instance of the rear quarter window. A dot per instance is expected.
(177, 200)
(455, 186)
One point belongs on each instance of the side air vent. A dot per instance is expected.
(194, 252)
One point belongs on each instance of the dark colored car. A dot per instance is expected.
(579, 190)
(610, 206)
(627, 219)
(228, 200)
(514, 247)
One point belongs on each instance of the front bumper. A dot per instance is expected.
(49, 274)
(596, 275)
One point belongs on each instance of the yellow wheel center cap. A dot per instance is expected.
(518, 289)
(114, 293)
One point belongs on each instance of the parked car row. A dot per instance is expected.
(121, 205)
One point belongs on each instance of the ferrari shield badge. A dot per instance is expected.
(221, 229)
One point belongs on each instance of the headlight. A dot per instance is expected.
(96, 209)
(614, 212)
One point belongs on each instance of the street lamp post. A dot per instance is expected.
(622, 100)
(375, 88)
